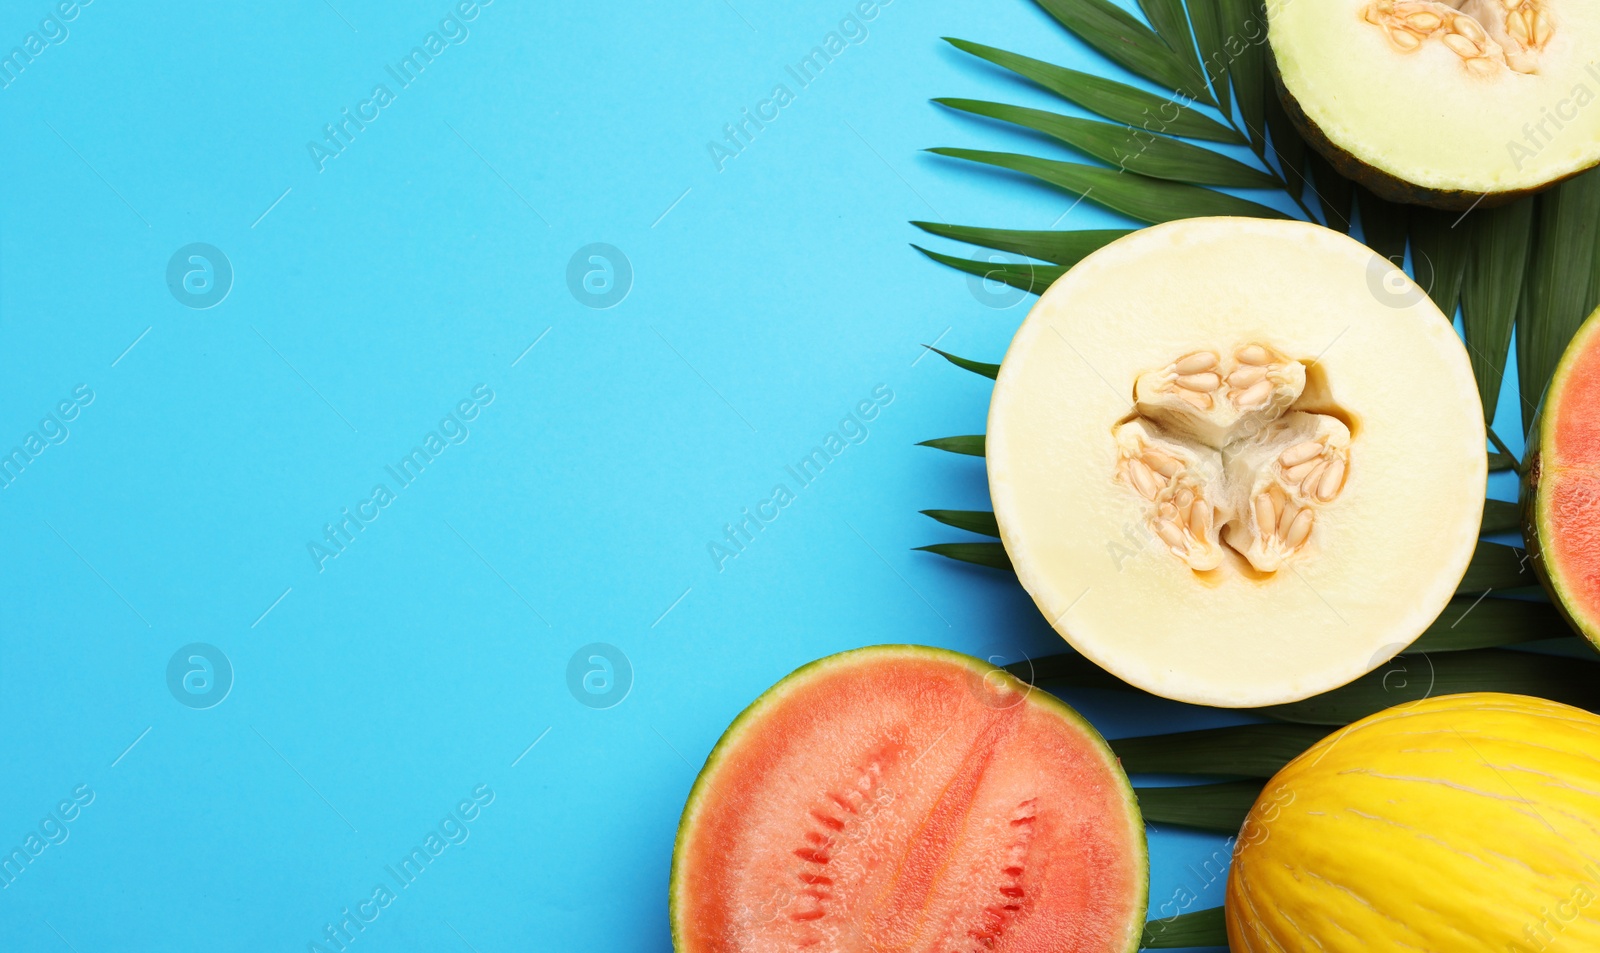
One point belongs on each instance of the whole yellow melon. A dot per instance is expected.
(1463, 823)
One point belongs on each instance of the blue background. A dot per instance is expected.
(371, 293)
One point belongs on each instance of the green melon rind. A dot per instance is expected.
(1535, 524)
(775, 694)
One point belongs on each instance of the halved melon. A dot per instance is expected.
(1563, 493)
(1237, 462)
(908, 798)
(1448, 103)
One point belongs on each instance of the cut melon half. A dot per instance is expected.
(1563, 494)
(908, 798)
(1237, 462)
(1446, 103)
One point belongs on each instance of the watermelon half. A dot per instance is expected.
(911, 799)
(1562, 505)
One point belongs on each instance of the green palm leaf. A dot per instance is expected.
(1200, 928)
(1473, 622)
(1286, 145)
(1214, 54)
(1124, 40)
(1498, 258)
(1410, 678)
(1334, 192)
(1244, 24)
(1115, 101)
(1127, 148)
(1171, 23)
(1566, 252)
(1138, 197)
(1383, 224)
(1066, 668)
(973, 521)
(970, 444)
(1405, 678)
(1250, 751)
(1058, 247)
(992, 555)
(1498, 567)
(1027, 276)
(1211, 807)
(1440, 248)
(990, 371)
(1501, 517)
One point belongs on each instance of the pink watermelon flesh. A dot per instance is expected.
(1568, 502)
(894, 799)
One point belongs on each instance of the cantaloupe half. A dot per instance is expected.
(1562, 499)
(1443, 102)
(908, 798)
(1237, 462)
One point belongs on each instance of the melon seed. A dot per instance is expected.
(1540, 26)
(1462, 46)
(1196, 362)
(1299, 529)
(1247, 376)
(1328, 486)
(1426, 22)
(1287, 519)
(1517, 26)
(1143, 479)
(1160, 462)
(1255, 396)
(1266, 515)
(1308, 484)
(1300, 453)
(1299, 472)
(1403, 39)
(1200, 520)
(1204, 383)
(1469, 28)
(1255, 353)
(1170, 534)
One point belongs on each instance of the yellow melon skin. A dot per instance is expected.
(1463, 823)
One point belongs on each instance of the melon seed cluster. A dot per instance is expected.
(1486, 34)
(1219, 457)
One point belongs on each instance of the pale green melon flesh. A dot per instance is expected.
(1423, 126)
(1383, 559)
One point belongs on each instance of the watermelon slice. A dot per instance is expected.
(1563, 494)
(909, 798)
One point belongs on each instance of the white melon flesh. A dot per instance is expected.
(1462, 97)
(1382, 443)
